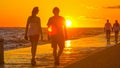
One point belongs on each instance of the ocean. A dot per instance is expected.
(14, 36)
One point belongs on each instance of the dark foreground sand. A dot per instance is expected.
(108, 58)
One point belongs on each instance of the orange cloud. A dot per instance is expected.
(113, 7)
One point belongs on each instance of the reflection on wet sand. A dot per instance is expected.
(68, 47)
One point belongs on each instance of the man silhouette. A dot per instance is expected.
(107, 29)
(57, 33)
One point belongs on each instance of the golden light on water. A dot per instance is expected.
(68, 47)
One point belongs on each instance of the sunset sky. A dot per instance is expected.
(81, 13)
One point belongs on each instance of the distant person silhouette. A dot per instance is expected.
(57, 33)
(33, 31)
(107, 29)
(116, 28)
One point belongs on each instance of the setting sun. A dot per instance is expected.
(68, 23)
(78, 13)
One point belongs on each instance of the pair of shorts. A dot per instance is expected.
(34, 38)
(60, 42)
(108, 31)
(116, 32)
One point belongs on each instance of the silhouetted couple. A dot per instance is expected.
(57, 34)
(108, 28)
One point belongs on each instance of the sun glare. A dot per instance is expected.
(68, 23)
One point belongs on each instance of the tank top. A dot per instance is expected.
(33, 26)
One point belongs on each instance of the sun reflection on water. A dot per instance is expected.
(67, 47)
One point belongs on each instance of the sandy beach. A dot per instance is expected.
(21, 57)
(108, 58)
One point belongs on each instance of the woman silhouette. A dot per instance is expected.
(33, 30)
(116, 29)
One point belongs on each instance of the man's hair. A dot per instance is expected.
(56, 10)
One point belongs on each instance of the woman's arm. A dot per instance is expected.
(26, 30)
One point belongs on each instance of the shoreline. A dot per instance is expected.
(25, 46)
(21, 45)
(14, 36)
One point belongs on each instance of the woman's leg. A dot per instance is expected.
(34, 41)
(33, 49)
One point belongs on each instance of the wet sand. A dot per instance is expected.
(108, 58)
(21, 57)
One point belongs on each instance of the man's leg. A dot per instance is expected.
(108, 34)
(61, 48)
(54, 46)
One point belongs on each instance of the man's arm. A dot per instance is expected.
(41, 34)
(65, 30)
